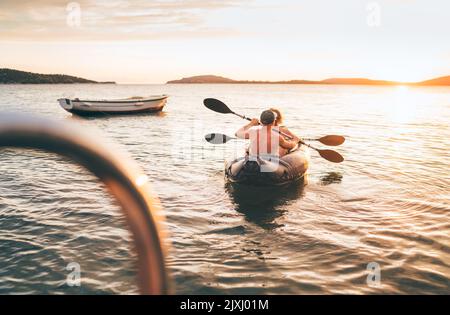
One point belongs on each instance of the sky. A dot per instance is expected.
(153, 41)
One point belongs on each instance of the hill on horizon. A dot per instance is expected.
(214, 79)
(437, 81)
(11, 76)
(204, 79)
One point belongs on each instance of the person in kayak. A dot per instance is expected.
(283, 129)
(265, 138)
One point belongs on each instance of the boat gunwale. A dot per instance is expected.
(121, 101)
(82, 112)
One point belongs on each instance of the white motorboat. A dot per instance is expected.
(117, 106)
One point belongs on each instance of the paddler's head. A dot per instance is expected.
(279, 116)
(267, 118)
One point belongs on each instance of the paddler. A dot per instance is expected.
(265, 138)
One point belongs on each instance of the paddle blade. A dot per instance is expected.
(217, 106)
(332, 140)
(331, 156)
(217, 138)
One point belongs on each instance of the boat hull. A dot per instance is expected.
(117, 107)
(290, 168)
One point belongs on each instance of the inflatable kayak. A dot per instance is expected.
(269, 171)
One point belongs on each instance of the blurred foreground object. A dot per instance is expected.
(123, 179)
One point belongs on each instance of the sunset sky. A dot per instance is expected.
(147, 41)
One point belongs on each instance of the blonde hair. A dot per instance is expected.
(279, 118)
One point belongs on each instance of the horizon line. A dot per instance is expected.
(241, 81)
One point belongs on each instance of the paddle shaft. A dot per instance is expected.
(221, 107)
(249, 119)
(300, 142)
(242, 116)
(280, 132)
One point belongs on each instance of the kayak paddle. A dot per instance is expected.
(217, 138)
(329, 155)
(220, 107)
(331, 140)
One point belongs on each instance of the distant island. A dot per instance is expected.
(213, 79)
(11, 76)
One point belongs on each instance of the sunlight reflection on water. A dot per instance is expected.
(387, 203)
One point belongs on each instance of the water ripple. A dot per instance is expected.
(388, 202)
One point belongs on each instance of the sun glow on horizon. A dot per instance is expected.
(402, 88)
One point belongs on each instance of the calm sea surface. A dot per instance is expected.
(387, 205)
